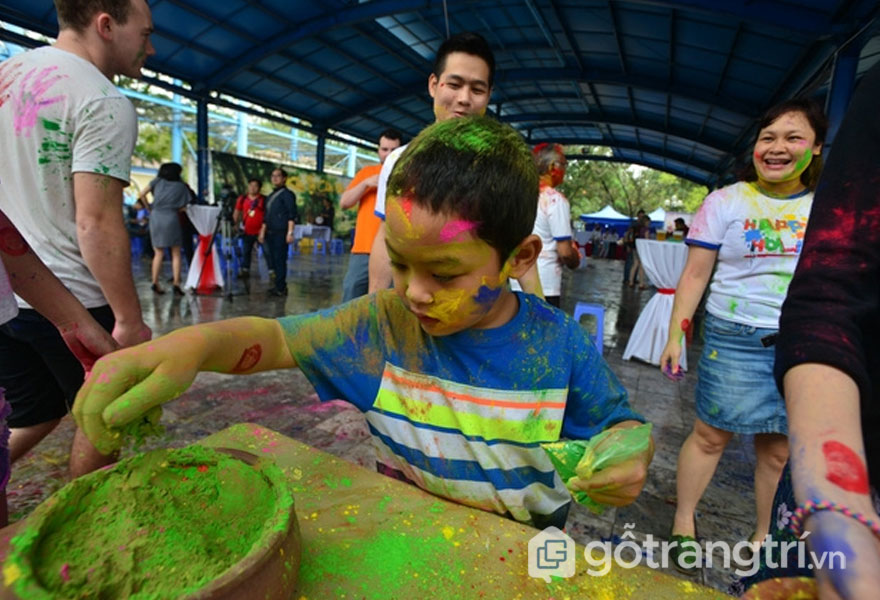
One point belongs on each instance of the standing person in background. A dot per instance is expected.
(681, 226)
(754, 230)
(596, 239)
(362, 191)
(170, 197)
(137, 222)
(629, 245)
(67, 140)
(637, 269)
(277, 231)
(250, 210)
(553, 223)
(460, 84)
(326, 213)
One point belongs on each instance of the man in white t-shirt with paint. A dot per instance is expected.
(552, 223)
(68, 139)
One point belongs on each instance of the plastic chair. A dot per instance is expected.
(319, 244)
(598, 311)
(336, 246)
(137, 246)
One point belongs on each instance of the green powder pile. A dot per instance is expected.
(159, 525)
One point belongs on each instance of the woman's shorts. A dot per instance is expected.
(736, 390)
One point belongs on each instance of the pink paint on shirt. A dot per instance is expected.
(454, 229)
(29, 98)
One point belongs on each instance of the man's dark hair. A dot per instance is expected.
(283, 172)
(390, 134)
(170, 171)
(77, 14)
(477, 169)
(469, 43)
(259, 181)
(818, 122)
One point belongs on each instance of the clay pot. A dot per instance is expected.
(268, 572)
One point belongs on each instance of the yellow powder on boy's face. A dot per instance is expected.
(443, 272)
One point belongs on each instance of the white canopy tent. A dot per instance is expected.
(658, 216)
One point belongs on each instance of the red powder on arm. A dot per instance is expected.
(845, 467)
(11, 242)
(249, 359)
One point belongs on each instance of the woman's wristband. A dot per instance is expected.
(809, 507)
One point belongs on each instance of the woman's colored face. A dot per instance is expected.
(785, 148)
(446, 275)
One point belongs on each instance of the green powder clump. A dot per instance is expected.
(159, 525)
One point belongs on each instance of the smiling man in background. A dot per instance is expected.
(460, 84)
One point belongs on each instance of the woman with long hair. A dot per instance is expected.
(752, 232)
(170, 196)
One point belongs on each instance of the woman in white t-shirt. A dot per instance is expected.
(753, 231)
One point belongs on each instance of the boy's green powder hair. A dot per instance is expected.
(476, 168)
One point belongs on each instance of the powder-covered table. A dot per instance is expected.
(365, 535)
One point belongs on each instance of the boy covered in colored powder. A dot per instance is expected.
(460, 378)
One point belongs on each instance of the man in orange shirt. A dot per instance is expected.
(362, 189)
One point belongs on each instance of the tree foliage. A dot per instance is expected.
(591, 185)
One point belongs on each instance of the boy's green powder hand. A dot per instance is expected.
(120, 400)
(608, 469)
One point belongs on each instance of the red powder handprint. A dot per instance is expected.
(29, 98)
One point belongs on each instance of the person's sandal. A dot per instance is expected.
(678, 545)
(178, 291)
(155, 287)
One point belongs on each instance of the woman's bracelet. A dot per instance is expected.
(809, 507)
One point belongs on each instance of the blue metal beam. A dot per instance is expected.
(791, 16)
(203, 150)
(539, 120)
(737, 106)
(843, 82)
(639, 147)
(319, 155)
(657, 164)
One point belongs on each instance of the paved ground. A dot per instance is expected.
(285, 401)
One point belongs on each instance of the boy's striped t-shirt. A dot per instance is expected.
(463, 416)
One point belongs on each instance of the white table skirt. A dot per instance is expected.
(664, 262)
(204, 219)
